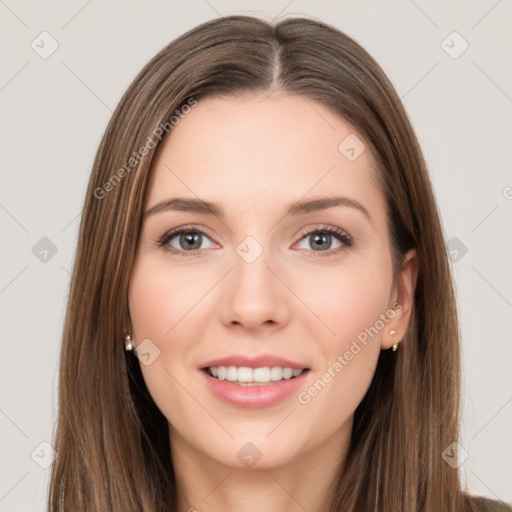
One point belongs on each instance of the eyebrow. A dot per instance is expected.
(200, 206)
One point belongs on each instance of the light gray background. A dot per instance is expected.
(54, 112)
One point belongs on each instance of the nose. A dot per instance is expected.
(255, 297)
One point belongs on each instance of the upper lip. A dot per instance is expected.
(254, 362)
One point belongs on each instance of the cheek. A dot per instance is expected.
(159, 297)
(161, 303)
(158, 301)
(352, 304)
(353, 309)
(349, 301)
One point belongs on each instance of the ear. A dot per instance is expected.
(402, 298)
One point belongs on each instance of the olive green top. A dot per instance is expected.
(485, 505)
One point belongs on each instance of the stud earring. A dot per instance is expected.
(395, 345)
(128, 343)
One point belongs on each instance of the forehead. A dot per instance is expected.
(259, 150)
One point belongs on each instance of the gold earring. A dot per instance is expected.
(128, 343)
(395, 345)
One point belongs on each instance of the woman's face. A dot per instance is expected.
(291, 268)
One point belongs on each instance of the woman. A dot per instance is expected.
(260, 227)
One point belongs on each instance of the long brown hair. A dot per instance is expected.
(111, 441)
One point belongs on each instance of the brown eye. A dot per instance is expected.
(184, 240)
(190, 240)
(325, 240)
(320, 241)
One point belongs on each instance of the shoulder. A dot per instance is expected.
(486, 505)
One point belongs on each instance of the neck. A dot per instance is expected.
(301, 483)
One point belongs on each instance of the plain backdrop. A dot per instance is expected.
(64, 66)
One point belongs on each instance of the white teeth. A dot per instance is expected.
(276, 373)
(232, 374)
(287, 373)
(261, 374)
(244, 374)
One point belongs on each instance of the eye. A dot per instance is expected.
(326, 240)
(185, 239)
(188, 240)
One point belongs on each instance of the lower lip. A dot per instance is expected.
(257, 396)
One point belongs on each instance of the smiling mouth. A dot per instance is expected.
(245, 376)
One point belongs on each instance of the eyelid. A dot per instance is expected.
(323, 228)
(343, 237)
(168, 235)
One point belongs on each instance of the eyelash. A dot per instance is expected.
(178, 231)
(342, 236)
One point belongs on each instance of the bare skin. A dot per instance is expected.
(304, 298)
